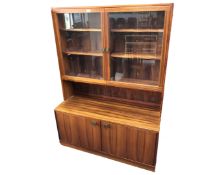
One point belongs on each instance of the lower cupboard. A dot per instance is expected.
(118, 141)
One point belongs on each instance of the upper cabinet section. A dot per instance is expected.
(122, 46)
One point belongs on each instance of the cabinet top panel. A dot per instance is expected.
(110, 8)
(112, 111)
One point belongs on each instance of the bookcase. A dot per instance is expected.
(112, 62)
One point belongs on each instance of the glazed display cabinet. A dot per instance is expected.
(112, 64)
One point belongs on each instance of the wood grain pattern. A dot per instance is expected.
(129, 143)
(93, 132)
(115, 112)
(75, 140)
(79, 131)
(83, 80)
(103, 43)
(134, 86)
(122, 95)
(107, 44)
(127, 161)
(112, 83)
(98, 8)
(114, 139)
(137, 9)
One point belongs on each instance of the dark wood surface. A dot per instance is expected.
(109, 156)
(119, 141)
(146, 99)
(107, 110)
(79, 131)
(129, 143)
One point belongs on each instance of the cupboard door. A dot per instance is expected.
(81, 35)
(129, 143)
(60, 126)
(89, 133)
(79, 131)
(113, 139)
(146, 148)
(135, 44)
(67, 128)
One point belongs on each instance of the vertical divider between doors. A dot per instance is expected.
(103, 43)
(107, 45)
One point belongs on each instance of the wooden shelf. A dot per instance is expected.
(83, 80)
(136, 55)
(130, 84)
(98, 54)
(111, 111)
(137, 81)
(136, 30)
(135, 85)
(82, 30)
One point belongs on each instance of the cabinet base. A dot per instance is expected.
(133, 163)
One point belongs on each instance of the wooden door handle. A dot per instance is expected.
(94, 122)
(105, 50)
(106, 125)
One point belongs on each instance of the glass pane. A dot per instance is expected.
(137, 20)
(136, 46)
(81, 41)
(141, 71)
(79, 20)
(84, 66)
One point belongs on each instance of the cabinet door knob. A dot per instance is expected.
(94, 122)
(103, 49)
(106, 125)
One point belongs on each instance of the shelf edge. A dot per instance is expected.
(83, 80)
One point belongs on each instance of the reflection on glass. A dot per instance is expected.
(132, 70)
(81, 41)
(136, 42)
(137, 20)
(84, 66)
(79, 20)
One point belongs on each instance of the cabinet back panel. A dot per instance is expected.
(152, 99)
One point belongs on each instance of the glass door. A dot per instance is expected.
(81, 42)
(135, 46)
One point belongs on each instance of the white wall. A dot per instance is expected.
(30, 89)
